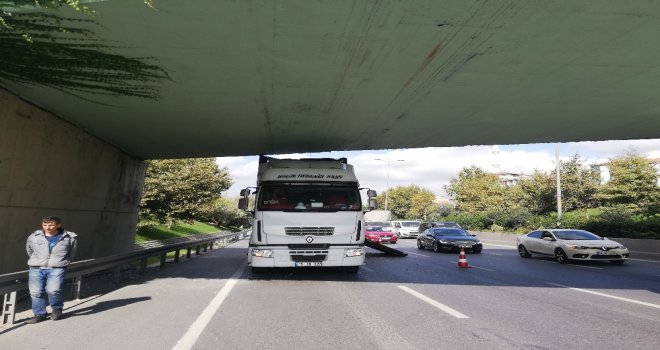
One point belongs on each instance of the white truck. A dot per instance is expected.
(307, 212)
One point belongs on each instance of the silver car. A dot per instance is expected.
(567, 244)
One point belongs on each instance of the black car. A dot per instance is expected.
(448, 239)
(427, 225)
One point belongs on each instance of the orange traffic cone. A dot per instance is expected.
(462, 259)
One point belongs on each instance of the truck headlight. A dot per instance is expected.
(354, 252)
(262, 253)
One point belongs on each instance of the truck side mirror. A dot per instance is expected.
(371, 193)
(373, 203)
(243, 202)
(245, 192)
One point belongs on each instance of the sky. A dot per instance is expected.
(432, 168)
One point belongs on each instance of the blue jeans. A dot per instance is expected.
(44, 282)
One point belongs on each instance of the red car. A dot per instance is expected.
(380, 235)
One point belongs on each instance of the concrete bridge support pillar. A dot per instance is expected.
(50, 167)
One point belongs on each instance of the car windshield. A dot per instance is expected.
(449, 232)
(308, 198)
(410, 223)
(379, 223)
(374, 228)
(446, 224)
(576, 235)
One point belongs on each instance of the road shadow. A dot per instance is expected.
(103, 306)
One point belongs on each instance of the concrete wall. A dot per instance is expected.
(50, 167)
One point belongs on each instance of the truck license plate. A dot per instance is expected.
(307, 263)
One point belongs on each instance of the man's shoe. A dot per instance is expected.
(36, 319)
(57, 314)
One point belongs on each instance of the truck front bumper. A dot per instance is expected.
(281, 256)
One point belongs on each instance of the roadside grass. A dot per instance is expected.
(160, 232)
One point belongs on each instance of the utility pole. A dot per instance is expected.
(387, 188)
(558, 168)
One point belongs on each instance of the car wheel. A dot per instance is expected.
(436, 247)
(522, 251)
(561, 256)
(477, 251)
(392, 242)
(419, 244)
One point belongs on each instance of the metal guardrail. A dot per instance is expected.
(14, 282)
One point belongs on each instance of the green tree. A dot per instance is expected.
(423, 205)
(400, 200)
(579, 185)
(224, 211)
(633, 182)
(182, 189)
(475, 190)
(536, 193)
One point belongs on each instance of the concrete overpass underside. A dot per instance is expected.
(169, 79)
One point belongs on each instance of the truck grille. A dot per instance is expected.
(305, 231)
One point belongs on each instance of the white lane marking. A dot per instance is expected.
(498, 245)
(476, 267)
(195, 330)
(606, 295)
(366, 268)
(440, 306)
(426, 256)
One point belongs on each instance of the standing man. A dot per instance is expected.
(50, 249)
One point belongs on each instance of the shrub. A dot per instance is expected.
(496, 228)
(469, 221)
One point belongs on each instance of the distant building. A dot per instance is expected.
(444, 201)
(604, 169)
(508, 179)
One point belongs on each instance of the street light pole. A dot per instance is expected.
(557, 170)
(387, 184)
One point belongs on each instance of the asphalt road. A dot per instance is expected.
(422, 301)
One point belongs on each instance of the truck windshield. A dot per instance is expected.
(308, 198)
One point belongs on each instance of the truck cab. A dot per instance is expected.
(307, 213)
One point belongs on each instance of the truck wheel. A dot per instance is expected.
(258, 270)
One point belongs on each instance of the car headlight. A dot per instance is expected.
(443, 242)
(354, 252)
(262, 253)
